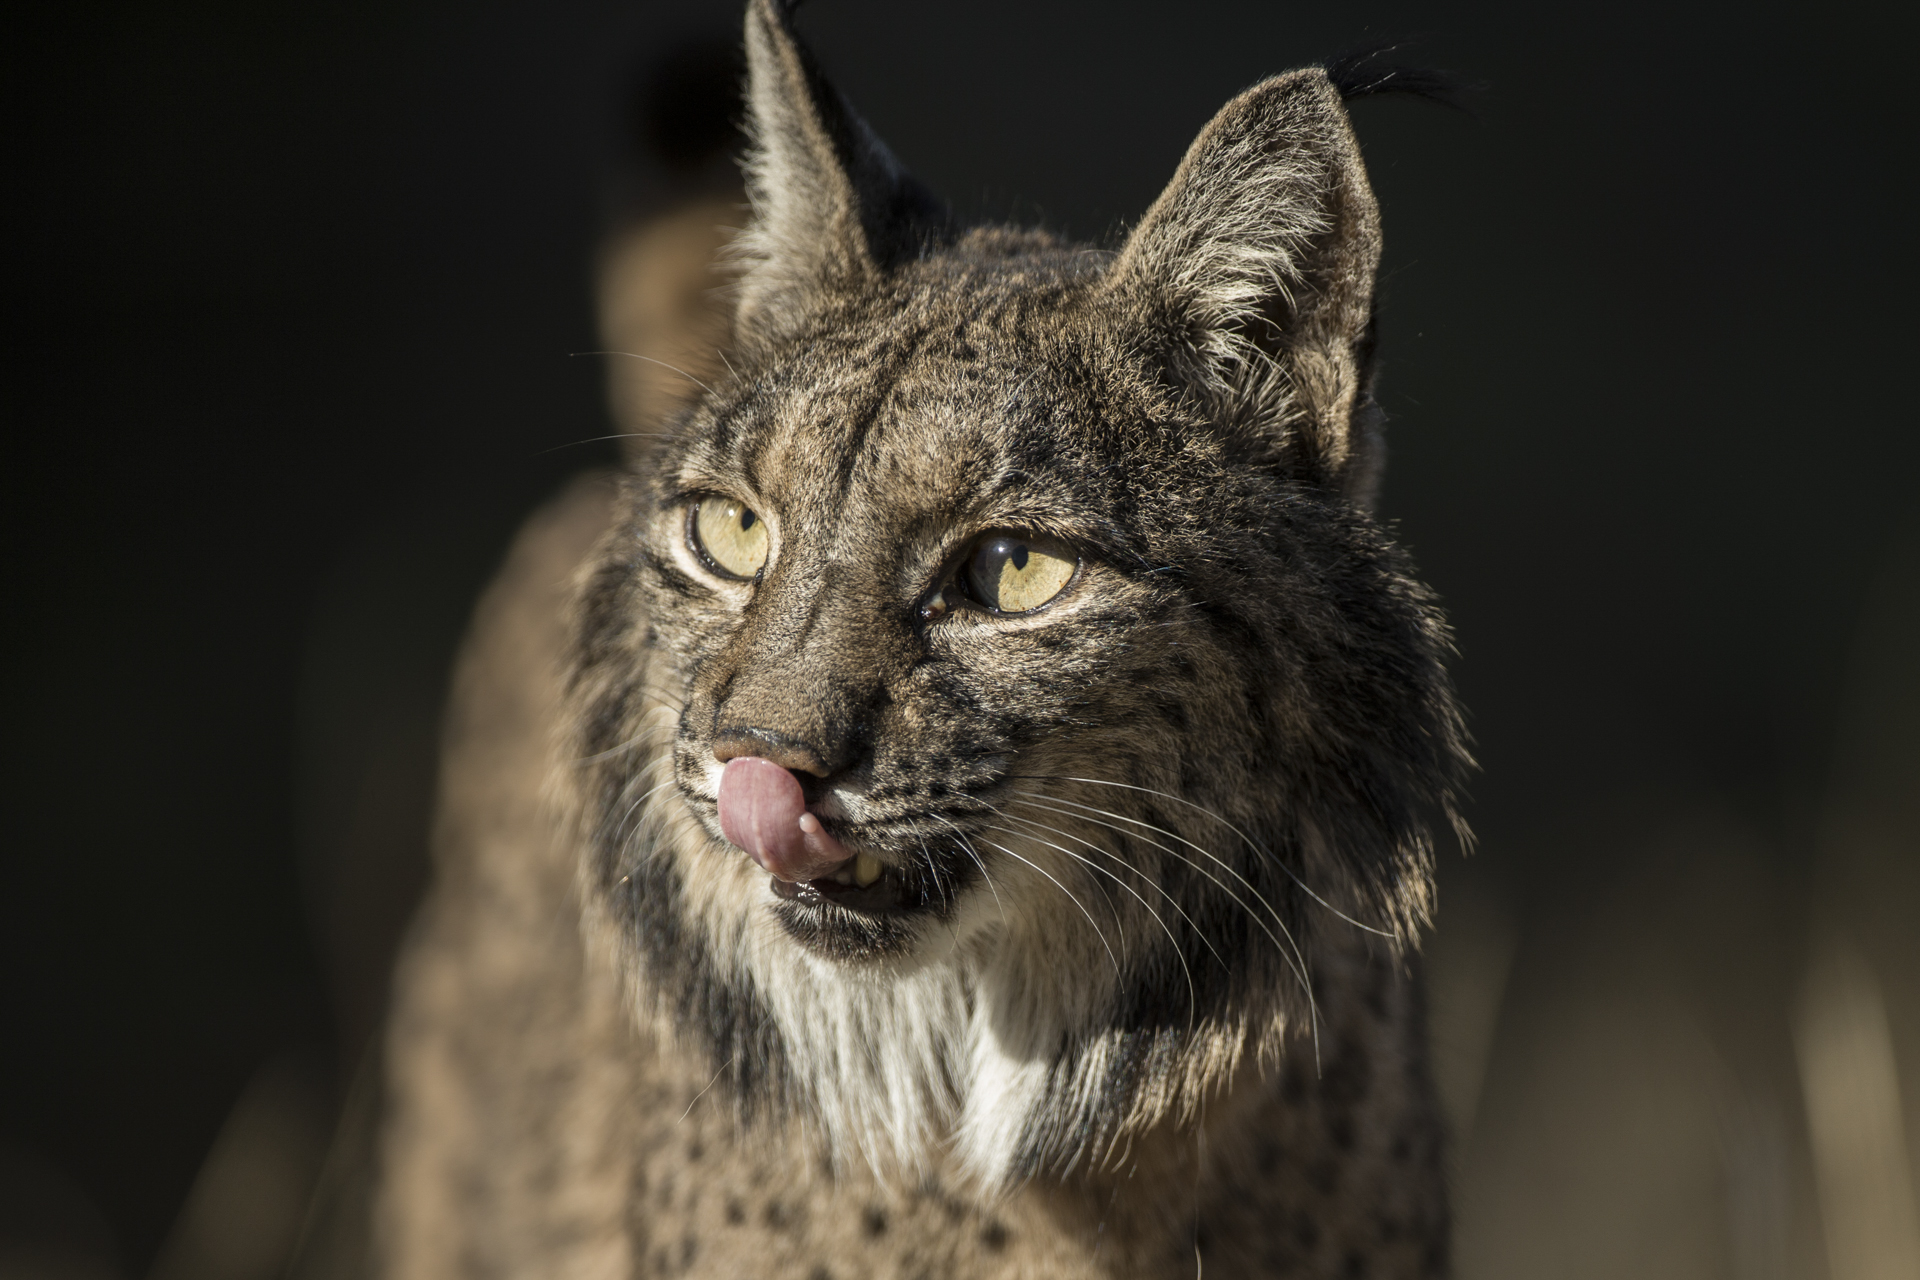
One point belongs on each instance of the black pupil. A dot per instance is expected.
(987, 563)
(747, 518)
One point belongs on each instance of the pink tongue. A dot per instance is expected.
(761, 806)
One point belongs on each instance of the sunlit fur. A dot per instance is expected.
(1143, 818)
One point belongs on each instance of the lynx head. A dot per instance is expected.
(996, 692)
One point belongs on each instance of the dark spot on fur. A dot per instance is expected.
(1340, 1130)
(994, 1236)
(694, 1152)
(1376, 992)
(1306, 1231)
(820, 1272)
(1354, 1266)
(874, 1221)
(1323, 1175)
(736, 1212)
(775, 1215)
(688, 1248)
(1344, 1081)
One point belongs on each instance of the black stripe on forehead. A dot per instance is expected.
(732, 421)
(900, 352)
(854, 375)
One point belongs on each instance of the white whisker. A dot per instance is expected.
(1070, 897)
(1290, 950)
(1032, 796)
(973, 853)
(620, 830)
(650, 360)
(618, 435)
(1253, 844)
(1173, 902)
(1193, 994)
(644, 736)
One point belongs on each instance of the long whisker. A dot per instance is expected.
(1070, 897)
(1173, 902)
(1193, 994)
(665, 701)
(618, 435)
(650, 360)
(977, 861)
(1290, 950)
(1112, 911)
(644, 797)
(703, 1093)
(660, 702)
(1218, 883)
(646, 735)
(1255, 845)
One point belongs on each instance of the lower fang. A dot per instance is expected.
(866, 869)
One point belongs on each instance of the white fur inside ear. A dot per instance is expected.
(1234, 253)
(1261, 253)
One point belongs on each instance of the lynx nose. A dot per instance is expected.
(784, 749)
(763, 810)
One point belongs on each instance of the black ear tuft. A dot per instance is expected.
(1369, 71)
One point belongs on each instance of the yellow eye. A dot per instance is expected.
(1010, 573)
(728, 536)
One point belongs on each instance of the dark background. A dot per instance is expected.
(294, 292)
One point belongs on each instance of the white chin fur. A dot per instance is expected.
(875, 1047)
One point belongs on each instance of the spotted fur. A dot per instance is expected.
(1156, 854)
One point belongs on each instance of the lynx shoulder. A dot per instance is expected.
(960, 802)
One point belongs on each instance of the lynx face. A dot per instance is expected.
(1021, 606)
(966, 597)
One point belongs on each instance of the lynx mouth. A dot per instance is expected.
(865, 893)
(888, 892)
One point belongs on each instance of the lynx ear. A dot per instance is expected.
(1253, 274)
(831, 206)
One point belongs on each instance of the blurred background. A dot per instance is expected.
(295, 293)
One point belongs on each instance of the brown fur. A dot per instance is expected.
(1135, 994)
